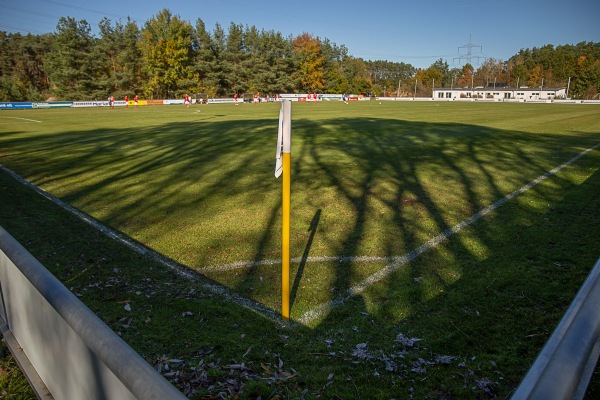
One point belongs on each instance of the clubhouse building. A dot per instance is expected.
(500, 93)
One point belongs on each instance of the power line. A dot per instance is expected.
(13, 24)
(404, 56)
(30, 11)
(19, 30)
(17, 21)
(15, 18)
(103, 13)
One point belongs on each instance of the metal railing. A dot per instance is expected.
(65, 350)
(565, 365)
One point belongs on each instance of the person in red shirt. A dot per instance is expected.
(135, 101)
(256, 98)
(186, 100)
(112, 101)
(126, 101)
(235, 98)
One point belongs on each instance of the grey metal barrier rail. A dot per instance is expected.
(66, 351)
(565, 365)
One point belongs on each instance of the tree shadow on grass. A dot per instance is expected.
(486, 299)
(359, 166)
(202, 193)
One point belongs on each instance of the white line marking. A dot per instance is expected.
(23, 119)
(251, 264)
(323, 308)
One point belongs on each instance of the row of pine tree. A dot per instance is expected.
(168, 57)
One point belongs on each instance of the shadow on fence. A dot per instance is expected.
(64, 349)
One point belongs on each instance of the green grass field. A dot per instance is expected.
(370, 183)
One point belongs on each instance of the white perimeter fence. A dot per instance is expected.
(484, 100)
(63, 348)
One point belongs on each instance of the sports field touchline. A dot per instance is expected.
(395, 262)
(25, 119)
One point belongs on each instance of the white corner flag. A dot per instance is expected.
(284, 136)
(278, 161)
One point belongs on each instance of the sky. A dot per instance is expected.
(416, 32)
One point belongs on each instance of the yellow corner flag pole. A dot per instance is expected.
(283, 167)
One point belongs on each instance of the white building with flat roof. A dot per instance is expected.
(500, 94)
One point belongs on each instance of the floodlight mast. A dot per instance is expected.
(415, 95)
